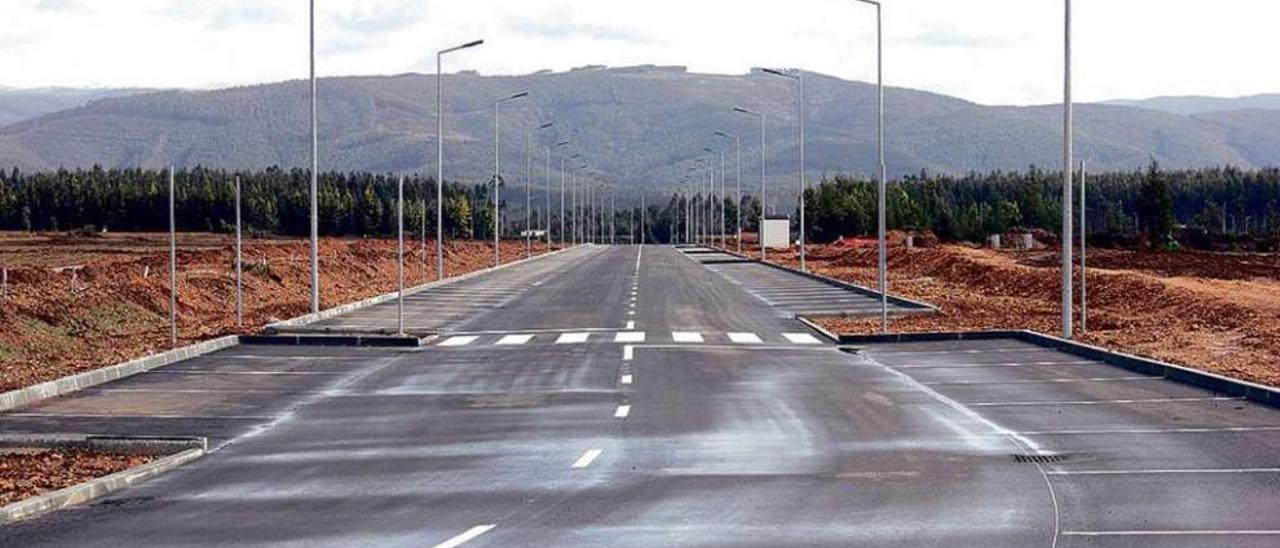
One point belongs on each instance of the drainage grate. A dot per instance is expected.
(1039, 459)
(125, 501)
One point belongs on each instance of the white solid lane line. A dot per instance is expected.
(627, 379)
(1190, 533)
(745, 338)
(466, 536)
(573, 338)
(1161, 472)
(801, 338)
(686, 336)
(458, 341)
(587, 458)
(622, 412)
(1099, 402)
(511, 340)
(629, 337)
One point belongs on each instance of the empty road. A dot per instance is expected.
(629, 395)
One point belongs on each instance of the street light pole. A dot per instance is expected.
(883, 261)
(798, 77)
(440, 154)
(497, 173)
(737, 144)
(315, 166)
(528, 188)
(764, 200)
(1068, 159)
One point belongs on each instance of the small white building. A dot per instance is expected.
(777, 232)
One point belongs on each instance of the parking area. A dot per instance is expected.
(1116, 446)
(794, 293)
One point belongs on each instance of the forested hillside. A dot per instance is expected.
(638, 127)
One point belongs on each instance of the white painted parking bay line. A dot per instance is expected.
(458, 341)
(466, 536)
(1099, 402)
(629, 337)
(622, 412)
(745, 338)
(801, 338)
(687, 336)
(511, 340)
(1173, 471)
(1173, 533)
(587, 458)
(573, 338)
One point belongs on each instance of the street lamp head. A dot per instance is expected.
(464, 46)
(723, 134)
(779, 72)
(709, 149)
(546, 125)
(520, 95)
(561, 143)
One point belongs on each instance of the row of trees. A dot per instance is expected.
(1150, 203)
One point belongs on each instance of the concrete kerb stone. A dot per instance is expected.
(921, 307)
(22, 397)
(189, 449)
(293, 324)
(1209, 381)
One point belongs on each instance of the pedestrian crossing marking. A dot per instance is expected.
(629, 337)
(459, 341)
(511, 340)
(573, 338)
(801, 338)
(745, 338)
(686, 336)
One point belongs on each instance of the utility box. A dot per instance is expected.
(777, 232)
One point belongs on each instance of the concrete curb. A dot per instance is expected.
(320, 339)
(22, 397)
(95, 488)
(1209, 381)
(386, 297)
(821, 330)
(921, 307)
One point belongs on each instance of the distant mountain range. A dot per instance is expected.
(17, 105)
(630, 124)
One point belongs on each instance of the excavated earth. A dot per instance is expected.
(1212, 311)
(76, 303)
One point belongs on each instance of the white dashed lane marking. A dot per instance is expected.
(686, 336)
(468, 535)
(801, 338)
(587, 458)
(573, 338)
(629, 337)
(622, 412)
(511, 340)
(459, 341)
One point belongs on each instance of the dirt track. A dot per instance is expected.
(1215, 312)
(118, 306)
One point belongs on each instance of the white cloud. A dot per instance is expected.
(991, 51)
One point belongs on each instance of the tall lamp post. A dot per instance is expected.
(883, 261)
(1068, 159)
(798, 78)
(528, 187)
(737, 143)
(713, 152)
(440, 155)
(548, 221)
(497, 172)
(315, 167)
(763, 197)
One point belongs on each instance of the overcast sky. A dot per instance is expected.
(989, 51)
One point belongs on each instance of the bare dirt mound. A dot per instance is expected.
(79, 303)
(1216, 312)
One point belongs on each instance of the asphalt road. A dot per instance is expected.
(628, 396)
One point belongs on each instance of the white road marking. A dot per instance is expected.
(573, 338)
(458, 341)
(1039, 381)
(511, 340)
(627, 379)
(1166, 471)
(1222, 430)
(587, 458)
(745, 338)
(629, 337)
(801, 338)
(631, 312)
(1200, 532)
(687, 336)
(631, 324)
(994, 365)
(466, 536)
(622, 412)
(628, 352)
(1097, 402)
